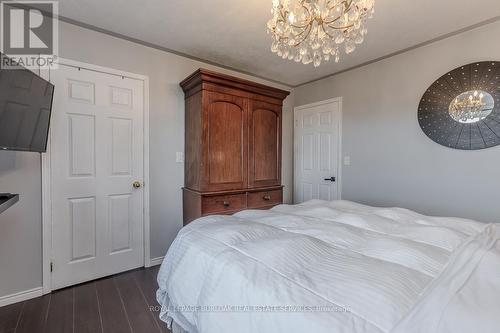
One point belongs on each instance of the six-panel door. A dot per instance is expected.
(317, 144)
(96, 156)
(264, 144)
(225, 152)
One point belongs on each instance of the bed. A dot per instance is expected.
(332, 267)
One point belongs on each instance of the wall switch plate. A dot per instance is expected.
(179, 157)
(347, 160)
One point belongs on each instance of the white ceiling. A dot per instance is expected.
(233, 33)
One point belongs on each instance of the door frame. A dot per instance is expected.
(296, 110)
(46, 173)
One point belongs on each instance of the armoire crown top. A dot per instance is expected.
(195, 81)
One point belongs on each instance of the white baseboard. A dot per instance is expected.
(155, 261)
(21, 296)
(37, 292)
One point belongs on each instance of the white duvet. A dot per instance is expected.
(332, 267)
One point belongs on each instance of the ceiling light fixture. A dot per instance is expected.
(310, 31)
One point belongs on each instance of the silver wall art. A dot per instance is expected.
(461, 109)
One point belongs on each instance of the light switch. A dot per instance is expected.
(179, 157)
(347, 160)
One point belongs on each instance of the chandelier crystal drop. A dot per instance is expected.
(312, 31)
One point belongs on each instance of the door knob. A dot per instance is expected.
(137, 184)
(331, 179)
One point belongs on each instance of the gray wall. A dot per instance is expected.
(20, 227)
(393, 163)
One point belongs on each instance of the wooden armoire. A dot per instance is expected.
(233, 145)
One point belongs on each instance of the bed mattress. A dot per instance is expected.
(332, 267)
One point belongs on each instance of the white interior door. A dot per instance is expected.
(96, 156)
(317, 151)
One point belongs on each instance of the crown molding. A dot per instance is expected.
(212, 63)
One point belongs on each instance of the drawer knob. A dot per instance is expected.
(226, 203)
(266, 197)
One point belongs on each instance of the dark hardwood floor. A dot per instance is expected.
(120, 303)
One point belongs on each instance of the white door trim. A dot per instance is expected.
(296, 142)
(46, 172)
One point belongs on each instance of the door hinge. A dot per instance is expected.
(51, 266)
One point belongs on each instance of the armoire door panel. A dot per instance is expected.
(225, 142)
(264, 144)
(226, 150)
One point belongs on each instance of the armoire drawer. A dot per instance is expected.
(264, 198)
(222, 203)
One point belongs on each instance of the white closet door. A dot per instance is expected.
(96, 156)
(317, 151)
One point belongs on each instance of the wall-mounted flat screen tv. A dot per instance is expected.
(25, 108)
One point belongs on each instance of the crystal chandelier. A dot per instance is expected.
(471, 106)
(314, 30)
